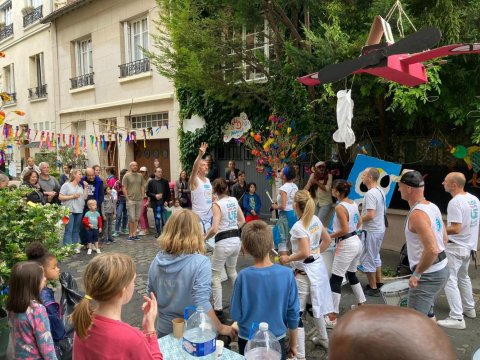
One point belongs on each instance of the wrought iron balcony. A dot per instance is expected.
(37, 92)
(134, 68)
(81, 81)
(13, 99)
(31, 17)
(6, 32)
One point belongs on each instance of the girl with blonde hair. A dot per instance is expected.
(309, 238)
(180, 275)
(109, 281)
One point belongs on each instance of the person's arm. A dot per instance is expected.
(167, 196)
(419, 223)
(302, 253)
(196, 165)
(246, 204)
(369, 215)
(326, 240)
(454, 228)
(150, 191)
(258, 203)
(240, 217)
(177, 189)
(100, 223)
(369, 204)
(342, 216)
(41, 330)
(454, 218)
(85, 222)
(293, 315)
(125, 186)
(217, 216)
(283, 201)
(310, 182)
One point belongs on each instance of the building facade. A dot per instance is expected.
(106, 89)
(80, 73)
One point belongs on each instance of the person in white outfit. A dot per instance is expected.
(201, 190)
(346, 221)
(462, 230)
(227, 219)
(309, 238)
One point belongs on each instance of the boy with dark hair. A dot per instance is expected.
(260, 286)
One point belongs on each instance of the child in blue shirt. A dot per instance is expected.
(92, 222)
(259, 287)
(251, 203)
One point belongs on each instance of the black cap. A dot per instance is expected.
(411, 178)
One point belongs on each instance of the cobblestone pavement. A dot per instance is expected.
(144, 250)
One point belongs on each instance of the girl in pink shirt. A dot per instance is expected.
(28, 319)
(99, 331)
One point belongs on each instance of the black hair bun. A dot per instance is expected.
(35, 251)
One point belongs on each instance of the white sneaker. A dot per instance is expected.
(470, 313)
(89, 251)
(98, 251)
(452, 323)
(322, 342)
(77, 250)
(330, 323)
(141, 233)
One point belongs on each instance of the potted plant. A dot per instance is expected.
(27, 10)
(21, 223)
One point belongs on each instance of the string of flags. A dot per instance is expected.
(21, 134)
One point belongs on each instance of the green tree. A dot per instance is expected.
(202, 50)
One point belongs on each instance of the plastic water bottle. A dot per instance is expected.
(199, 337)
(263, 345)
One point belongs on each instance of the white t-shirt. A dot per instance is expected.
(313, 233)
(414, 244)
(374, 200)
(290, 189)
(74, 205)
(464, 209)
(202, 200)
(353, 216)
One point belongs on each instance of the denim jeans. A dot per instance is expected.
(121, 215)
(159, 215)
(422, 297)
(72, 229)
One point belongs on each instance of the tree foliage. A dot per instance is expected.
(201, 50)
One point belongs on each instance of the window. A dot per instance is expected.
(83, 51)
(107, 125)
(32, 12)
(150, 121)
(256, 49)
(40, 126)
(9, 83)
(6, 15)
(37, 77)
(136, 38)
(47, 126)
(35, 3)
(35, 126)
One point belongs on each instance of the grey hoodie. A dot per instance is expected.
(178, 282)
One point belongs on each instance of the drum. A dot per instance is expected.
(395, 293)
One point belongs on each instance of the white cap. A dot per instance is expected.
(320, 163)
(263, 326)
(143, 168)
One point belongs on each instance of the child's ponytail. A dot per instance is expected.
(82, 317)
(105, 277)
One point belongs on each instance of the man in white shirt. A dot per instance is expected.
(373, 212)
(462, 229)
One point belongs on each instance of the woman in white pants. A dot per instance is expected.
(349, 247)
(309, 238)
(227, 219)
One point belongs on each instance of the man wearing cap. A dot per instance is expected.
(373, 219)
(426, 238)
(462, 230)
(320, 184)
(133, 188)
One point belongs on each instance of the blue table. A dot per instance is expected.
(171, 349)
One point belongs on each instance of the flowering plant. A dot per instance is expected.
(276, 144)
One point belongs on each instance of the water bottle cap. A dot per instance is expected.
(263, 326)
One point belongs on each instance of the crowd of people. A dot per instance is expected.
(226, 213)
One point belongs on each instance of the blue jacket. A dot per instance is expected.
(179, 281)
(99, 192)
(54, 314)
(246, 205)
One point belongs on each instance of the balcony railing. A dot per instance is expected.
(81, 81)
(37, 92)
(13, 99)
(31, 17)
(6, 32)
(134, 67)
